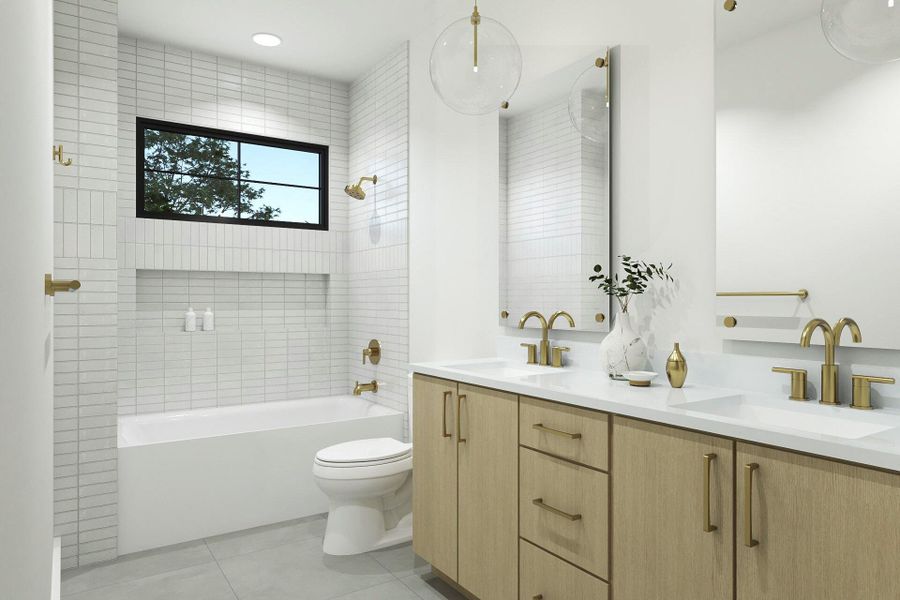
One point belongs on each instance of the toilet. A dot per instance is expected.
(369, 488)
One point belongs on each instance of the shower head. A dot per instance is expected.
(356, 191)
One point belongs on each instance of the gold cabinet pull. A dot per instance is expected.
(459, 437)
(708, 527)
(559, 432)
(748, 505)
(444, 432)
(539, 502)
(51, 286)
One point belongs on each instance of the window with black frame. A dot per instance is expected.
(202, 174)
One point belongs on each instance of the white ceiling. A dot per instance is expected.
(338, 39)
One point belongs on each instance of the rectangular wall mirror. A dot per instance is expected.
(555, 194)
(807, 178)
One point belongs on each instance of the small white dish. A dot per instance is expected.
(640, 378)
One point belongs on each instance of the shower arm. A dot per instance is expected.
(373, 179)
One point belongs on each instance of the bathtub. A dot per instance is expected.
(189, 475)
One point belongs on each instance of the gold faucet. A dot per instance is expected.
(832, 340)
(365, 387)
(545, 340)
(546, 326)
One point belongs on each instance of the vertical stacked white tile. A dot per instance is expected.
(557, 212)
(85, 98)
(503, 201)
(595, 203)
(283, 333)
(377, 251)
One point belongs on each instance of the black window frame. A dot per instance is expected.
(239, 137)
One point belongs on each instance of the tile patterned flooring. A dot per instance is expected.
(277, 562)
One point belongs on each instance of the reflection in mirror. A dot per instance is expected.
(807, 181)
(555, 195)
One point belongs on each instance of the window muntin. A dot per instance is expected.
(202, 174)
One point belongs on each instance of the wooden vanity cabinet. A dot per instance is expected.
(661, 544)
(824, 530)
(465, 485)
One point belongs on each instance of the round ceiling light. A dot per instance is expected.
(269, 40)
(476, 65)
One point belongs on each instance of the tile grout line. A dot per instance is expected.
(221, 570)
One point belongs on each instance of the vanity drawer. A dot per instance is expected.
(564, 508)
(565, 431)
(542, 575)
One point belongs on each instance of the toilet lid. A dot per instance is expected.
(358, 451)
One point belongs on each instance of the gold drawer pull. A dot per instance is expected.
(444, 432)
(707, 462)
(748, 505)
(560, 433)
(539, 502)
(459, 437)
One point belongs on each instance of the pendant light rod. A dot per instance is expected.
(476, 21)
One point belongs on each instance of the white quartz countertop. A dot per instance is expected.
(865, 437)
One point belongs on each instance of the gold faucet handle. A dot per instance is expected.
(798, 382)
(862, 390)
(532, 352)
(556, 356)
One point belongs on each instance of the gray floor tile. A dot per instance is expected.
(431, 587)
(393, 590)
(263, 538)
(203, 582)
(136, 566)
(401, 561)
(299, 571)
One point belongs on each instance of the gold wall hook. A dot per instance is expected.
(58, 156)
(52, 286)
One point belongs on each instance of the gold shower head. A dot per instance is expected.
(356, 191)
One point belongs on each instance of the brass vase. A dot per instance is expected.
(676, 367)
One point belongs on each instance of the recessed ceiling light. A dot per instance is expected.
(267, 39)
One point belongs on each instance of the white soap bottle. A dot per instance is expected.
(190, 320)
(208, 322)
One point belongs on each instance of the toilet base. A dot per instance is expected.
(358, 528)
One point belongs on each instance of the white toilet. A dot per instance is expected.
(369, 488)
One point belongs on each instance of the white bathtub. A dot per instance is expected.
(189, 475)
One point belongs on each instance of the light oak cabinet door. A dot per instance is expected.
(488, 499)
(824, 530)
(660, 544)
(435, 472)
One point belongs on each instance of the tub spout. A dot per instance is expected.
(365, 387)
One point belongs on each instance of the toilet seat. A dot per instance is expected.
(363, 453)
(362, 471)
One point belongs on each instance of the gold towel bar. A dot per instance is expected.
(801, 293)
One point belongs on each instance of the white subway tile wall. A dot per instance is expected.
(278, 336)
(555, 207)
(377, 257)
(85, 121)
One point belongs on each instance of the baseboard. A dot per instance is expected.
(56, 569)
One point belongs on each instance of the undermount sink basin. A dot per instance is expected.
(500, 369)
(808, 418)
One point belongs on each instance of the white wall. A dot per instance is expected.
(663, 171)
(453, 219)
(26, 396)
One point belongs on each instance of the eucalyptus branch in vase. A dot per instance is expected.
(636, 279)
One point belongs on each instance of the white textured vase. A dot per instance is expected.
(623, 349)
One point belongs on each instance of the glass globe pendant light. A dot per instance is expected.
(476, 65)
(867, 31)
(589, 101)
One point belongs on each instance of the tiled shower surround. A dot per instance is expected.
(293, 307)
(274, 339)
